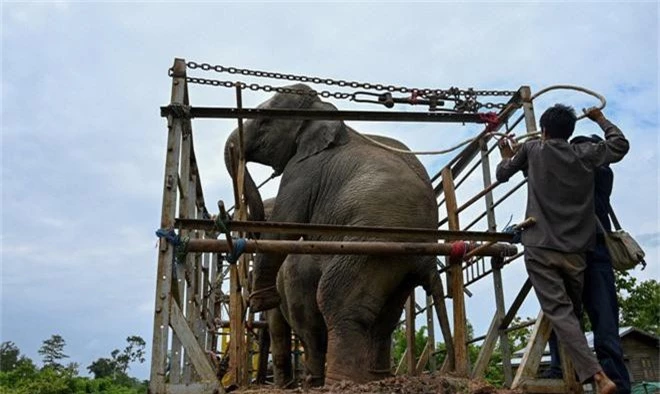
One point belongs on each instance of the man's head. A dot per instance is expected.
(558, 121)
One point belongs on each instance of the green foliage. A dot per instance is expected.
(9, 356)
(640, 308)
(52, 351)
(399, 343)
(23, 377)
(117, 365)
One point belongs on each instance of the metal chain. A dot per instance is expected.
(465, 100)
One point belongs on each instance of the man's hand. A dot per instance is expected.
(594, 114)
(507, 148)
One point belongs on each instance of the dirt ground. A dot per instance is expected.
(436, 383)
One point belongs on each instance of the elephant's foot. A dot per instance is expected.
(264, 299)
(313, 381)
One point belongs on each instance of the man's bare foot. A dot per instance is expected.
(604, 384)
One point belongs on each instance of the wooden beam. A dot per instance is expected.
(424, 358)
(487, 348)
(401, 233)
(568, 372)
(430, 340)
(402, 367)
(194, 351)
(457, 286)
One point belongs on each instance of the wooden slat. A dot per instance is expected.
(486, 349)
(423, 359)
(194, 351)
(403, 365)
(533, 352)
(568, 372)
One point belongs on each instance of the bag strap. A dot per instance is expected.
(615, 221)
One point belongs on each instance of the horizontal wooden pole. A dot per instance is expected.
(309, 114)
(326, 229)
(361, 248)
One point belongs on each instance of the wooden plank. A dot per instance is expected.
(543, 386)
(423, 359)
(403, 365)
(533, 352)
(194, 351)
(486, 349)
(410, 333)
(196, 388)
(457, 286)
(515, 305)
(166, 252)
(528, 109)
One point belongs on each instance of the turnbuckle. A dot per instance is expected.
(388, 100)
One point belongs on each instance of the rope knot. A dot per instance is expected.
(458, 252)
(239, 248)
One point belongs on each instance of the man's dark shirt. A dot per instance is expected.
(560, 187)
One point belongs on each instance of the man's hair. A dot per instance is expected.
(558, 121)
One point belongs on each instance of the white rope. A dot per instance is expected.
(530, 134)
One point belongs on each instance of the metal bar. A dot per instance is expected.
(309, 114)
(360, 248)
(325, 229)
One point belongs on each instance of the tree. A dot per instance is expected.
(52, 351)
(9, 353)
(641, 307)
(102, 368)
(134, 351)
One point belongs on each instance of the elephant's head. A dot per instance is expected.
(275, 142)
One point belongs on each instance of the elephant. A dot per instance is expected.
(332, 175)
(296, 280)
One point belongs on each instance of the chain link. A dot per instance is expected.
(465, 99)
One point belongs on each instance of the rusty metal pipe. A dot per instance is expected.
(360, 248)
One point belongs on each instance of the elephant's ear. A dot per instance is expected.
(318, 135)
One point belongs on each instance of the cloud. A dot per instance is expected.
(83, 143)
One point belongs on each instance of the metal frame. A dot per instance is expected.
(192, 312)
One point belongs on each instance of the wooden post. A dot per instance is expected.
(496, 268)
(460, 329)
(166, 251)
(237, 343)
(410, 333)
(431, 333)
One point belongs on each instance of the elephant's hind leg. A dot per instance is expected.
(351, 296)
(280, 347)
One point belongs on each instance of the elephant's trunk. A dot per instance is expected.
(254, 201)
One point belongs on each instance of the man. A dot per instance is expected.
(599, 294)
(560, 196)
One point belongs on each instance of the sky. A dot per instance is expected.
(83, 143)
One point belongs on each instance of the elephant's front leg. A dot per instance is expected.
(264, 295)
